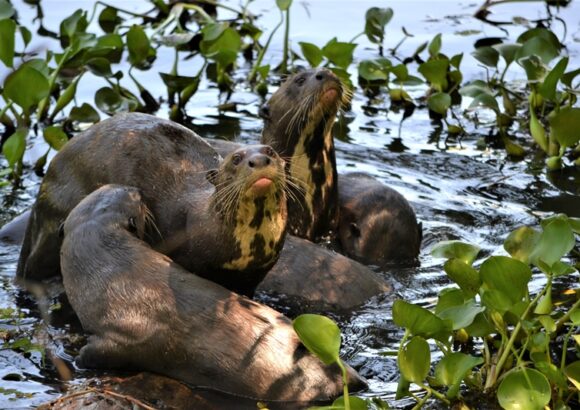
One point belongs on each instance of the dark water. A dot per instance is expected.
(457, 190)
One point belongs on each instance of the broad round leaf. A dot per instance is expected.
(535, 69)
(507, 275)
(372, 71)
(26, 87)
(565, 126)
(6, 10)
(449, 297)
(481, 327)
(110, 101)
(539, 47)
(376, 20)
(224, 49)
(356, 403)
(464, 275)
(461, 316)
(556, 240)
(84, 113)
(100, 67)
(7, 35)
(439, 102)
(453, 368)
(415, 360)
(312, 53)
(456, 249)
(524, 389)
(418, 320)
(488, 56)
(508, 51)
(475, 88)
(521, 243)
(55, 137)
(339, 53)
(496, 300)
(109, 20)
(14, 147)
(320, 335)
(435, 72)
(138, 45)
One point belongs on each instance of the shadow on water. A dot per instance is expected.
(457, 191)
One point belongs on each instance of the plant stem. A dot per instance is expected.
(565, 347)
(421, 402)
(344, 384)
(434, 393)
(490, 382)
(284, 65)
(43, 105)
(263, 50)
(565, 318)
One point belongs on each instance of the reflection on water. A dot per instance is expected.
(458, 192)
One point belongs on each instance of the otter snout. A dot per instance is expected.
(259, 160)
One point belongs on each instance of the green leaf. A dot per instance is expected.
(320, 335)
(475, 88)
(456, 249)
(376, 20)
(415, 360)
(542, 33)
(556, 240)
(488, 56)
(496, 300)
(461, 316)
(573, 373)
(524, 389)
(535, 69)
(312, 53)
(55, 137)
(537, 130)
(371, 70)
(481, 327)
(539, 47)
(109, 20)
(66, 97)
(26, 87)
(554, 374)
(455, 61)
(507, 275)
(70, 26)
(14, 147)
(560, 269)
(400, 71)
(548, 87)
(464, 275)
(175, 39)
(283, 4)
(544, 306)
(138, 45)
(435, 72)
(223, 49)
(356, 403)
(339, 53)
(569, 77)
(6, 10)
(435, 46)
(26, 35)
(453, 368)
(449, 297)
(507, 51)
(565, 126)
(84, 113)
(521, 243)
(100, 67)
(111, 47)
(7, 35)
(487, 101)
(419, 321)
(111, 101)
(439, 102)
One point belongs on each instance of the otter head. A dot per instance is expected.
(251, 201)
(306, 102)
(117, 205)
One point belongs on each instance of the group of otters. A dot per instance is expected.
(161, 243)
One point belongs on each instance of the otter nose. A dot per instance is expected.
(258, 161)
(323, 74)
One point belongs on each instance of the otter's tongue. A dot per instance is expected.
(261, 186)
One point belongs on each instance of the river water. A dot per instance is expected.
(458, 190)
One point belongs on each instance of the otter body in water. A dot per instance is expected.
(147, 313)
(223, 221)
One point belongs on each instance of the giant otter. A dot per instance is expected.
(145, 312)
(227, 225)
(298, 122)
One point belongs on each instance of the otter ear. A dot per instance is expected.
(354, 230)
(264, 111)
(211, 176)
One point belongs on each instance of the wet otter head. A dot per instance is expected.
(298, 122)
(250, 198)
(112, 205)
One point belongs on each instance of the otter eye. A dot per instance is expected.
(300, 80)
(236, 159)
(132, 225)
(269, 151)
